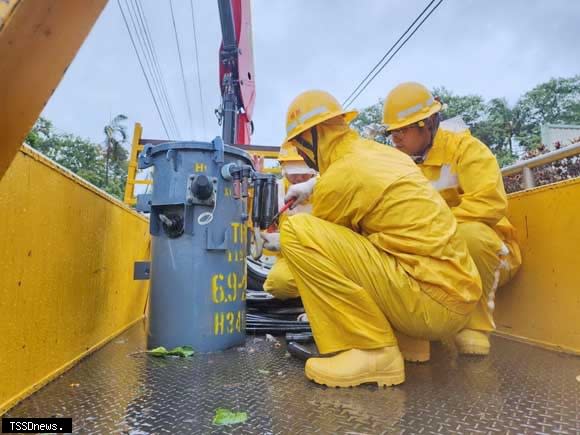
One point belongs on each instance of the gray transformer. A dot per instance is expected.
(198, 227)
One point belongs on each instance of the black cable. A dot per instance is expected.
(356, 94)
(181, 65)
(140, 38)
(198, 71)
(153, 53)
(143, 69)
(387, 53)
(155, 71)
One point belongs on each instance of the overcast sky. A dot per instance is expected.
(495, 48)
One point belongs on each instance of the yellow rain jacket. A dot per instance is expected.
(379, 252)
(466, 174)
(396, 209)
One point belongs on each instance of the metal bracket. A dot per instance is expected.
(141, 270)
(144, 202)
(217, 240)
(218, 146)
(173, 156)
(144, 160)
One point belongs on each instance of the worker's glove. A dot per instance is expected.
(300, 192)
(271, 241)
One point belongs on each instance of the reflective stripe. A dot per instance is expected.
(291, 126)
(316, 111)
(446, 180)
(503, 264)
(414, 109)
(296, 168)
(504, 251)
(303, 118)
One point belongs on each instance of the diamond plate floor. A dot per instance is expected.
(517, 389)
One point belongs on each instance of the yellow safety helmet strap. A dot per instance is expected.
(310, 157)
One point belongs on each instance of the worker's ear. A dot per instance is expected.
(431, 121)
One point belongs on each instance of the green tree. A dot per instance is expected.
(369, 123)
(499, 128)
(501, 122)
(470, 107)
(115, 154)
(81, 156)
(74, 153)
(556, 101)
(37, 137)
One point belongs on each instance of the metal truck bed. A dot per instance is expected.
(517, 389)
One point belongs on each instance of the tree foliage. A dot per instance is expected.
(106, 168)
(115, 136)
(116, 156)
(556, 101)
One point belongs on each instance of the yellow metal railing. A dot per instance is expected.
(136, 148)
(266, 152)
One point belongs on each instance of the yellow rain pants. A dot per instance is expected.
(467, 176)
(355, 294)
(280, 282)
(379, 251)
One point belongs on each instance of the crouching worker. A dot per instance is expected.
(294, 171)
(467, 175)
(379, 251)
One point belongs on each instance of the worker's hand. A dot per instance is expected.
(258, 163)
(271, 241)
(300, 192)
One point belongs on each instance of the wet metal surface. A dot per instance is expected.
(517, 389)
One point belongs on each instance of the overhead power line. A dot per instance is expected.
(378, 64)
(143, 69)
(146, 52)
(157, 72)
(181, 65)
(382, 63)
(198, 70)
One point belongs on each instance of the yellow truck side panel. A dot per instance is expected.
(66, 285)
(542, 303)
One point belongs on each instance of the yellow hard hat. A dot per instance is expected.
(311, 108)
(288, 153)
(407, 104)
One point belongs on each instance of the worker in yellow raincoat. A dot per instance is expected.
(379, 251)
(467, 175)
(294, 171)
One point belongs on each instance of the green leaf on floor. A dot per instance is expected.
(181, 351)
(224, 416)
(264, 372)
(158, 351)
